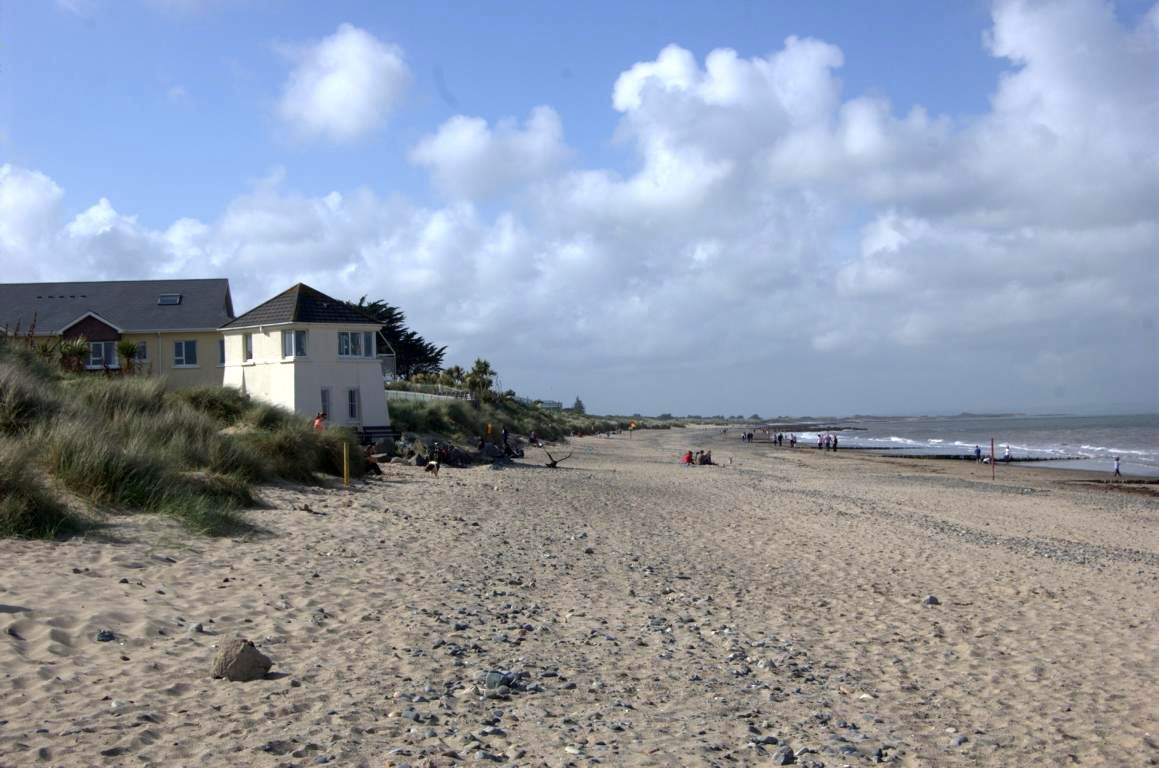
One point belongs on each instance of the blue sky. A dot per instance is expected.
(602, 199)
(91, 100)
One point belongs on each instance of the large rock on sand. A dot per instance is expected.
(240, 661)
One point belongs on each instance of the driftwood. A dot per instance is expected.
(554, 462)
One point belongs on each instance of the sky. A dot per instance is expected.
(726, 208)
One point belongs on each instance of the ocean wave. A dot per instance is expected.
(1124, 451)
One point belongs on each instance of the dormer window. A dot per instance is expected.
(168, 299)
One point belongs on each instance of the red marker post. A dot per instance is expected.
(991, 458)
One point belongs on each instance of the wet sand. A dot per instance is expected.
(648, 614)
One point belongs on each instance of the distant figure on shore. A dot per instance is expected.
(706, 458)
(977, 453)
(686, 459)
(1117, 472)
(820, 442)
(1006, 456)
(320, 421)
(793, 440)
(834, 443)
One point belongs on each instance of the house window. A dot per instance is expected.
(142, 351)
(294, 343)
(221, 351)
(247, 346)
(169, 299)
(353, 404)
(326, 401)
(355, 344)
(185, 354)
(103, 354)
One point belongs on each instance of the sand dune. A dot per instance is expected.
(649, 614)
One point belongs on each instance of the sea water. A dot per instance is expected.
(1076, 442)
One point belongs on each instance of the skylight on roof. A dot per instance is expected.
(169, 298)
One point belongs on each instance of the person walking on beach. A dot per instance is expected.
(977, 453)
(1117, 472)
(1006, 453)
(835, 443)
(793, 440)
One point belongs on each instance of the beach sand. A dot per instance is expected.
(653, 614)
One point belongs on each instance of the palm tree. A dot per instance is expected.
(127, 351)
(454, 376)
(480, 379)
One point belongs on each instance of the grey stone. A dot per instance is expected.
(106, 636)
(238, 660)
(958, 740)
(784, 756)
(932, 600)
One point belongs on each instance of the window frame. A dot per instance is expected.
(142, 351)
(247, 347)
(221, 352)
(296, 349)
(354, 404)
(182, 344)
(107, 347)
(363, 340)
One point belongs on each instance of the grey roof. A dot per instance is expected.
(130, 305)
(302, 304)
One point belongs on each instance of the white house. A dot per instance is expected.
(309, 352)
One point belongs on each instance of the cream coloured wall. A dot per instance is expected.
(207, 373)
(297, 383)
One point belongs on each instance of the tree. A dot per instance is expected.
(127, 351)
(413, 353)
(480, 380)
(578, 406)
(454, 376)
(73, 354)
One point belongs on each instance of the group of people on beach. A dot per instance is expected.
(700, 458)
(1007, 455)
(827, 442)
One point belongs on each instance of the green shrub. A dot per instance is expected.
(107, 471)
(289, 453)
(271, 417)
(25, 399)
(331, 442)
(226, 405)
(121, 397)
(27, 510)
(203, 513)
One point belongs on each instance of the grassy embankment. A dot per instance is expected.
(124, 444)
(460, 420)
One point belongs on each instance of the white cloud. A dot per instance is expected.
(344, 86)
(772, 236)
(470, 160)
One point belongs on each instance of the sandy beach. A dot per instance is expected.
(770, 609)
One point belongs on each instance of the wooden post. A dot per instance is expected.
(345, 463)
(991, 458)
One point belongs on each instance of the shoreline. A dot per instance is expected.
(1047, 464)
